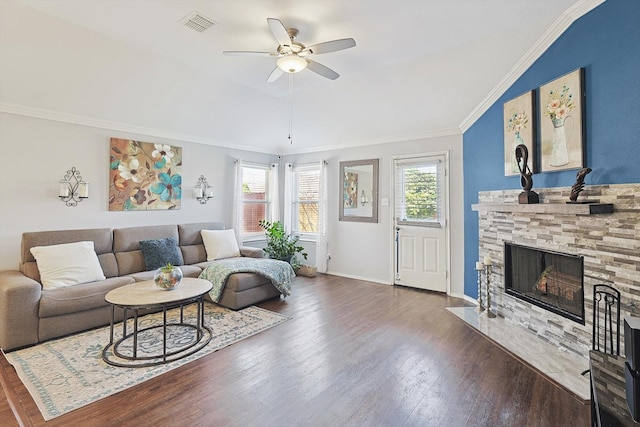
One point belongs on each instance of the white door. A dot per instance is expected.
(420, 222)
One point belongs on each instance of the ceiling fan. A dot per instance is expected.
(293, 56)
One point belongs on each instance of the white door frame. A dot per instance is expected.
(447, 215)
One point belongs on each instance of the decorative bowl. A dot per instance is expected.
(167, 277)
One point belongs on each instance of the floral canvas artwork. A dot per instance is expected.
(519, 128)
(561, 123)
(350, 190)
(144, 176)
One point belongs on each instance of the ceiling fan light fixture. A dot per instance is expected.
(291, 64)
(292, 55)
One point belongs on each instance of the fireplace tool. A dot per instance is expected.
(479, 268)
(487, 270)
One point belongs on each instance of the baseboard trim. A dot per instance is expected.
(465, 297)
(351, 276)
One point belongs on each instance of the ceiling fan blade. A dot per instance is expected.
(275, 75)
(247, 53)
(279, 31)
(331, 46)
(323, 70)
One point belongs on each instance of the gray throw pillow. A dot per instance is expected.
(158, 252)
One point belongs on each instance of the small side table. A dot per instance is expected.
(145, 295)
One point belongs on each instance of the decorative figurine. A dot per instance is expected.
(526, 181)
(578, 186)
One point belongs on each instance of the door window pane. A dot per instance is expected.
(419, 191)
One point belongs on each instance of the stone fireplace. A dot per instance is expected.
(607, 246)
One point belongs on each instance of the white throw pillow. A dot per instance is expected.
(67, 264)
(220, 244)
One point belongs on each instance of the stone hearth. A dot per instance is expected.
(609, 243)
(561, 367)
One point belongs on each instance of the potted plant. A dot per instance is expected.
(280, 244)
(168, 277)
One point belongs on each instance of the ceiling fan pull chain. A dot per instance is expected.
(290, 109)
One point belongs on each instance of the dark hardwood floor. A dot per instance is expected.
(355, 354)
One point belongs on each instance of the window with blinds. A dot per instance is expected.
(419, 191)
(256, 200)
(306, 191)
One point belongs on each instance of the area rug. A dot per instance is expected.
(68, 373)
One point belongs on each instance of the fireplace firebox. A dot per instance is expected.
(551, 280)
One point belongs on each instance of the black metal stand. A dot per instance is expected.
(487, 270)
(202, 336)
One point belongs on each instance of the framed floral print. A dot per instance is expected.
(519, 128)
(562, 122)
(144, 176)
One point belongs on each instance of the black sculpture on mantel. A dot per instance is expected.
(578, 186)
(526, 181)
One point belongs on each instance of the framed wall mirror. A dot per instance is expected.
(359, 191)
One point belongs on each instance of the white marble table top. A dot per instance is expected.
(147, 293)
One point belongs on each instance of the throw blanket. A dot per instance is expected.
(279, 272)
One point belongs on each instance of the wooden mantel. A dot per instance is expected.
(548, 208)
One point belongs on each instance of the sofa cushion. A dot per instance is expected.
(220, 244)
(194, 254)
(251, 252)
(67, 264)
(158, 252)
(126, 245)
(191, 271)
(130, 262)
(102, 239)
(238, 300)
(190, 240)
(190, 233)
(55, 302)
(239, 282)
(187, 271)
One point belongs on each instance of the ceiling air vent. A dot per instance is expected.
(197, 22)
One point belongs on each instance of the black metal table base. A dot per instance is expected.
(202, 337)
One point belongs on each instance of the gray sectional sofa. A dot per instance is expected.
(29, 314)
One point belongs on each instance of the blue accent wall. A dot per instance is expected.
(606, 43)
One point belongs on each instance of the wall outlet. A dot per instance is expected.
(384, 201)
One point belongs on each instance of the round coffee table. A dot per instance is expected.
(146, 295)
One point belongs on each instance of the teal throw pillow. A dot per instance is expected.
(158, 252)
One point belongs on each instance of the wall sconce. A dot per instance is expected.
(202, 192)
(363, 199)
(72, 188)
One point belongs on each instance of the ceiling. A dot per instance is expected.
(419, 69)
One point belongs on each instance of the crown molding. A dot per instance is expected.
(40, 113)
(561, 24)
(378, 141)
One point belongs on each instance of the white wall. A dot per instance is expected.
(37, 153)
(364, 250)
